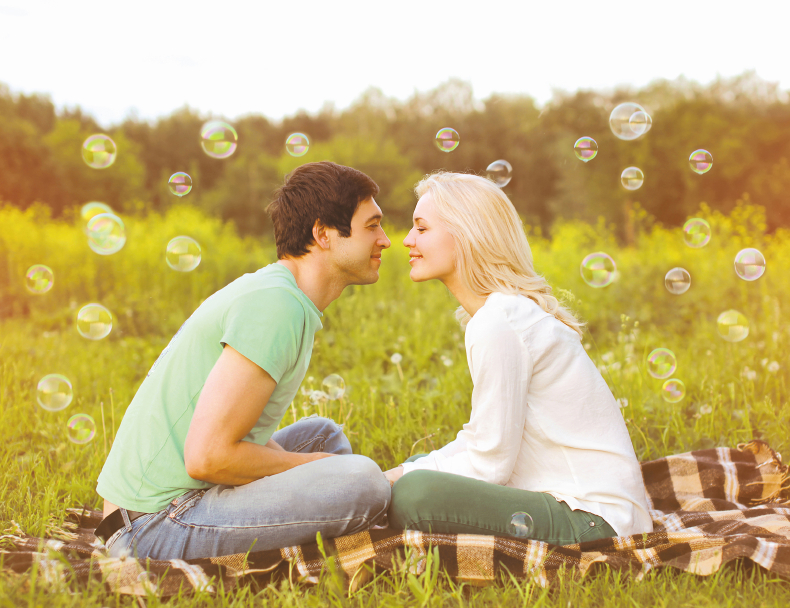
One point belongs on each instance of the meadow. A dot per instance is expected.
(734, 391)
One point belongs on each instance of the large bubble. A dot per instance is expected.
(99, 151)
(183, 253)
(39, 279)
(297, 144)
(585, 148)
(749, 264)
(640, 122)
(661, 363)
(732, 325)
(696, 232)
(106, 233)
(500, 172)
(677, 281)
(701, 161)
(54, 392)
(180, 184)
(632, 178)
(447, 139)
(598, 269)
(94, 322)
(620, 121)
(218, 139)
(81, 428)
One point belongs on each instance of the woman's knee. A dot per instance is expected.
(413, 499)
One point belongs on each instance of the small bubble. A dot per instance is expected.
(106, 234)
(94, 322)
(677, 281)
(99, 151)
(749, 264)
(500, 172)
(183, 253)
(54, 392)
(218, 139)
(334, 386)
(661, 363)
(396, 358)
(39, 279)
(701, 161)
(640, 122)
(585, 148)
(81, 428)
(620, 120)
(696, 232)
(673, 390)
(732, 326)
(521, 525)
(180, 184)
(447, 139)
(598, 269)
(297, 144)
(632, 178)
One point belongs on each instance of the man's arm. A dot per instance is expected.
(232, 400)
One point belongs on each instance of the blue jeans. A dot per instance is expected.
(335, 496)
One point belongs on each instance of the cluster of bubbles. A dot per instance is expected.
(661, 364)
(54, 393)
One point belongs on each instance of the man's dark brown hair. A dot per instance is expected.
(316, 191)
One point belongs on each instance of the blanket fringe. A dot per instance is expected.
(781, 495)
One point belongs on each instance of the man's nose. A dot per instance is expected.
(387, 242)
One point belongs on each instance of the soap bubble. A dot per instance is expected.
(732, 325)
(586, 148)
(701, 161)
(81, 428)
(677, 281)
(500, 172)
(334, 386)
(673, 390)
(632, 178)
(39, 279)
(598, 269)
(99, 151)
(661, 363)
(94, 322)
(218, 139)
(749, 264)
(640, 122)
(180, 183)
(92, 209)
(696, 232)
(521, 525)
(54, 392)
(620, 120)
(183, 254)
(297, 144)
(447, 139)
(106, 234)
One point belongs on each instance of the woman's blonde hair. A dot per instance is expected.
(492, 251)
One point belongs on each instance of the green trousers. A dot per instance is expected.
(431, 501)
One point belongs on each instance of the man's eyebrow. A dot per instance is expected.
(373, 217)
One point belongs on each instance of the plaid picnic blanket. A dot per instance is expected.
(709, 507)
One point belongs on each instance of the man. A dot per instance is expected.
(197, 469)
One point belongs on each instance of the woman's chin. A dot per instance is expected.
(416, 276)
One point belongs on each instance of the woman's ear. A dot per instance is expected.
(320, 235)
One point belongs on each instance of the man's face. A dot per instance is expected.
(358, 257)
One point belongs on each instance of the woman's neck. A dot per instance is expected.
(469, 300)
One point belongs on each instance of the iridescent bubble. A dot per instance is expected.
(673, 390)
(661, 363)
(500, 172)
(696, 232)
(749, 264)
(334, 386)
(92, 209)
(632, 178)
(183, 253)
(521, 525)
(732, 325)
(81, 428)
(39, 279)
(620, 120)
(585, 148)
(598, 269)
(99, 151)
(218, 139)
(54, 392)
(701, 161)
(297, 144)
(106, 234)
(677, 281)
(94, 322)
(180, 184)
(640, 122)
(447, 139)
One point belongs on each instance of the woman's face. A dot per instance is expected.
(431, 246)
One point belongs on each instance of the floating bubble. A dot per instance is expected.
(677, 281)
(673, 390)
(598, 269)
(106, 234)
(218, 139)
(297, 144)
(585, 148)
(640, 122)
(180, 183)
(732, 325)
(521, 525)
(334, 386)
(447, 139)
(661, 363)
(94, 322)
(183, 253)
(81, 428)
(39, 279)
(92, 209)
(99, 151)
(500, 172)
(701, 161)
(632, 178)
(54, 392)
(749, 264)
(696, 232)
(620, 120)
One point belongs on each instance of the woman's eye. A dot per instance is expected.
(420, 229)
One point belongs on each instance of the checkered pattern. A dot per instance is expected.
(709, 507)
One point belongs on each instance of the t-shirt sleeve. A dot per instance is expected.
(267, 327)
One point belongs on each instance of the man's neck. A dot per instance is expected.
(314, 279)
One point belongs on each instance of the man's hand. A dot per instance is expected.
(394, 475)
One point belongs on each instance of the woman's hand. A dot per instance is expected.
(394, 475)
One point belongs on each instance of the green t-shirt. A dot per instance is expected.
(262, 315)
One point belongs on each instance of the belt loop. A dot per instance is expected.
(126, 520)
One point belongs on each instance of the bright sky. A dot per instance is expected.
(234, 57)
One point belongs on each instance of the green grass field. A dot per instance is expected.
(734, 391)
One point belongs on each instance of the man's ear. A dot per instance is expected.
(321, 235)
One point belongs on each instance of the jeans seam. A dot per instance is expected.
(309, 441)
(264, 526)
(140, 527)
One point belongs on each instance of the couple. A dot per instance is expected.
(198, 469)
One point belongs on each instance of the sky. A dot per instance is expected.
(230, 58)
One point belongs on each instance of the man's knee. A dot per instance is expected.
(412, 499)
(366, 483)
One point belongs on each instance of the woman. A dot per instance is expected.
(545, 454)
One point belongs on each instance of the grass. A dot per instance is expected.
(390, 410)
